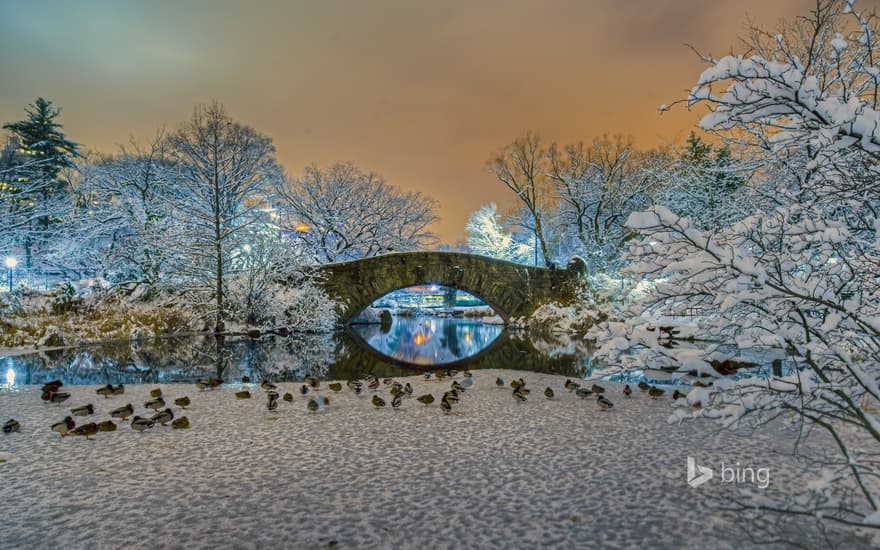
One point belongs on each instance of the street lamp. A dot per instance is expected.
(11, 262)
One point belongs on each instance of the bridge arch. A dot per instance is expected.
(512, 290)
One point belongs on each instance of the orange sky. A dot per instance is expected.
(422, 92)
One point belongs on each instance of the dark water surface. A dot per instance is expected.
(412, 345)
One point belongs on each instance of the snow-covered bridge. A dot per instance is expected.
(513, 290)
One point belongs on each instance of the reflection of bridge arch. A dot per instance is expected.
(512, 290)
(507, 351)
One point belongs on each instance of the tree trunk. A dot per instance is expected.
(218, 323)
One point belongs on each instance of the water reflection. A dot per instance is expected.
(430, 340)
(336, 356)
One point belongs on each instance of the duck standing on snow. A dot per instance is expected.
(655, 392)
(268, 386)
(118, 390)
(106, 426)
(312, 405)
(408, 389)
(643, 385)
(86, 430)
(140, 424)
(106, 391)
(182, 402)
(122, 412)
(288, 397)
(548, 393)
(676, 395)
(427, 399)
(163, 417)
(378, 402)
(155, 404)
(304, 389)
(155, 392)
(335, 386)
(243, 394)
(83, 411)
(627, 391)
(582, 392)
(597, 389)
(395, 403)
(499, 382)
(64, 426)
(57, 398)
(52, 386)
(445, 406)
(11, 425)
(519, 395)
(604, 403)
(181, 423)
(272, 403)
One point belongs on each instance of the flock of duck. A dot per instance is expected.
(162, 415)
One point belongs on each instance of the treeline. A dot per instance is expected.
(205, 208)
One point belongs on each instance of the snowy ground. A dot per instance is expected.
(494, 474)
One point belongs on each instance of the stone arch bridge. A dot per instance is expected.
(512, 290)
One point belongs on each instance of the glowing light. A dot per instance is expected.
(10, 377)
(247, 248)
(11, 262)
(301, 228)
(419, 339)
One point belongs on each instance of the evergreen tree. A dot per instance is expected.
(34, 186)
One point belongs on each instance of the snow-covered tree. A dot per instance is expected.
(226, 176)
(122, 219)
(343, 213)
(597, 186)
(799, 274)
(487, 236)
(522, 167)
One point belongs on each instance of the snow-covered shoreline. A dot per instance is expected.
(493, 474)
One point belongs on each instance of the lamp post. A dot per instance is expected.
(10, 262)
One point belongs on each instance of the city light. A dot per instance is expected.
(11, 262)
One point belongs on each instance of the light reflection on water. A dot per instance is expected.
(430, 340)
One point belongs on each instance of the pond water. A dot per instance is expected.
(412, 345)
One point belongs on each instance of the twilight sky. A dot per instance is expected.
(422, 92)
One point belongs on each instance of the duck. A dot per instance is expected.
(445, 406)
(357, 388)
(408, 389)
(457, 386)
(268, 386)
(155, 404)
(676, 395)
(288, 397)
(214, 383)
(440, 374)
(643, 385)
(313, 382)
(122, 412)
(181, 423)
(64, 426)
(203, 384)
(627, 391)
(272, 403)
(59, 397)
(450, 396)
(156, 392)
(655, 392)
(395, 391)
(245, 379)
(427, 376)
(519, 396)
(243, 394)
(395, 403)
(596, 388)
(118, 390)
(427, 399)
(106, 426)
(325, 401)
(83, 411)
(312, 405)
(378, 402)
(571, 386)
(86, 430)
(163, 417)
(582, 392)
(387, 381)
(468, 374)
(452, 373)
(106, 391)
(499, 382)
(139, 424)
(604, 403)
(335, 386)
(12, 425)
(182, 402)
(548, 393)
(304, 389)
(515, 385)
(52, 386)
(373, 384)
